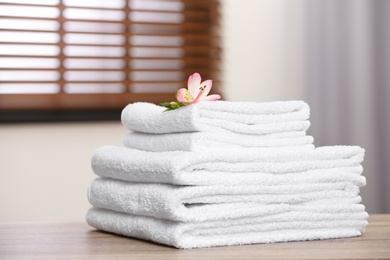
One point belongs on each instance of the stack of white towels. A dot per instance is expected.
(225, 173)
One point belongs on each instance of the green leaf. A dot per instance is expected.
(172, 105)
(166, 104)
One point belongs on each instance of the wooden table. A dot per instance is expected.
(79, 241)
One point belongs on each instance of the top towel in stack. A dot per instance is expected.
(217, 125)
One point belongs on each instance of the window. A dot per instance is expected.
(99, 54)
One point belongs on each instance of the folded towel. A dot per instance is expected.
(228, 168)
(288, 226)
(238, 117)
(206, 141)
(200, 203)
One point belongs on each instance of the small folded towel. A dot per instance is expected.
(206, 141)
(288, 226)
(228, 168)
(200, 203)
(238, 117)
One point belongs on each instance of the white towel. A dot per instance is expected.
(228, 168)
(200, 203)
(288, 226)
(206, 141)
(238, 117)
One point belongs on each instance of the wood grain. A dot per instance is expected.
(79, 241)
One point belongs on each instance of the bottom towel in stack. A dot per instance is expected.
(335, 222)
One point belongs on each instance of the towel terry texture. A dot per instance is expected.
(244, 117)
(214, 168)
(225, 173)
(206, 141)
(201, 203)
(286, 226)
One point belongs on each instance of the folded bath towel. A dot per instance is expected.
(206, 141)
(238, 117)
(228, 168)
(288, 226)
(200, 203)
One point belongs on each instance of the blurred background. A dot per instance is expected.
(68, 67)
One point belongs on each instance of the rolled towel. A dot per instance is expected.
(206, 141)
(228, 168)
(283, 227)
(238, 117)
(201, 203)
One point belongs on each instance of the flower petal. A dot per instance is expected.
(193, 84)
(183, 96)
(206, 86)
(213, 97)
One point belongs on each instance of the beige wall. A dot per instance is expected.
(263, 49)
(45, 168)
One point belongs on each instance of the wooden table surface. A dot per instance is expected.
(79, 241)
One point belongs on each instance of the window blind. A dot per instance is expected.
(99, 54)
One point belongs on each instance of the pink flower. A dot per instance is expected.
(197, 91)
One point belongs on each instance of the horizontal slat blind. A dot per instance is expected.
(72, 54)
